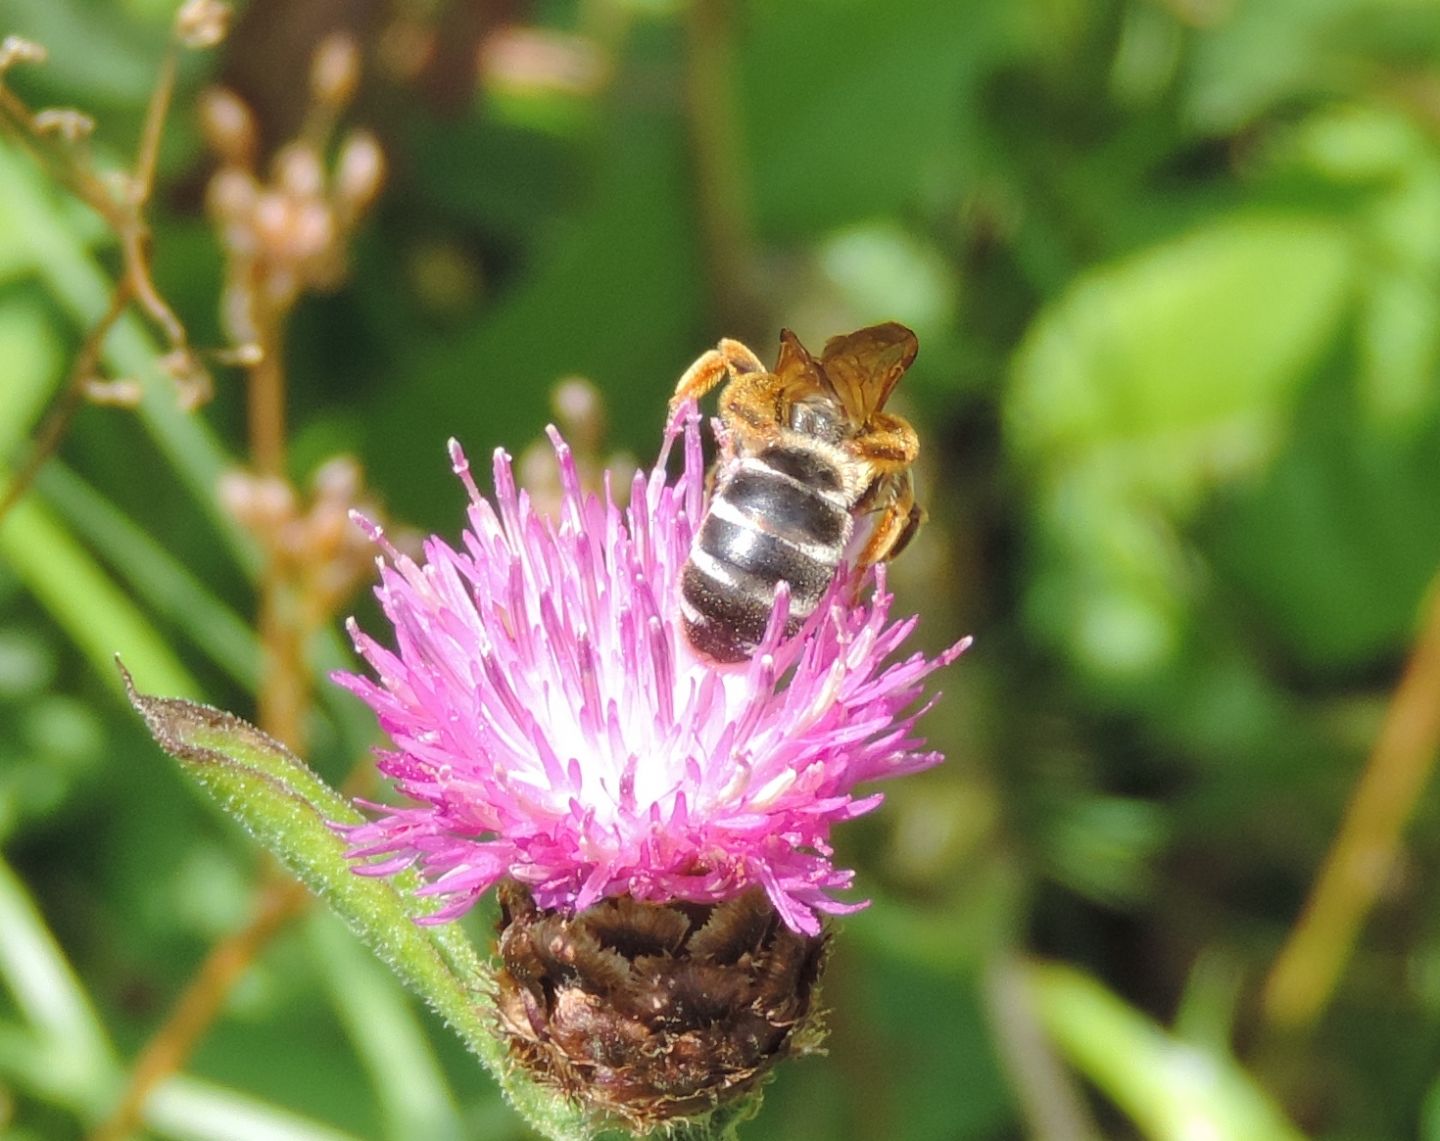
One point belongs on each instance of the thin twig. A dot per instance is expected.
(133, 246)
(126, 217)
(59, 160)
(142, 184)
(265, 404)
(284, 699)
(147, 155)
(1367, 846)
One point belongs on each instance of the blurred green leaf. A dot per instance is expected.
(95, 54)
(1181, 362)
(56, 745)
(27, 664)
(1393, 160)
(868, 115)
(412, 1091)
(1140, 389)
(1172, 1091)
(61, 1051)
(1333, 548)
(84, 600)
(168, 590)
(1104, 847)
(32, 356)
(51, 999)
(510, 180)
(189, 1110)
(1333, 545)
(880, 269)
(1430, 1114)
(1261, 55)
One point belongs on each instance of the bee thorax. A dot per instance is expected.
(818, 420)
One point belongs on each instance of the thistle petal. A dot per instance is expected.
(551, 723)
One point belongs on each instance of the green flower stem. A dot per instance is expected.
(290, 810)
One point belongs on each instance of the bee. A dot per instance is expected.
(813, 475)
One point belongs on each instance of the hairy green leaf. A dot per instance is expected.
(292, 812)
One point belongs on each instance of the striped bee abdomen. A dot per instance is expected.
(775, 517)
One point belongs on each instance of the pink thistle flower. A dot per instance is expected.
(553, 724)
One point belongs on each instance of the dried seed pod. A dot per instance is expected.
(261, 504)
(229, 127)
(335, 71)
(230, 198)
(64, 123)
(359, 174)
(202, 23)
(17, 49)
(298, 170)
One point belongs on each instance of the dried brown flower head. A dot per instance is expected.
(645, 1013)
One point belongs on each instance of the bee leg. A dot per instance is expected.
(889, 446)
(899, 520)
(913, 521)
(731, 359)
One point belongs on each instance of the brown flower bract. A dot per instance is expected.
(645, 1013)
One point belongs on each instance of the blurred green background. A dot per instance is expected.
(1175, 269)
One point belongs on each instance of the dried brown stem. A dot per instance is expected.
(284, 698)
(142, 179)
(126, 217)
(284, 693)
(134, 243)
(135, 232)
(265, 405)
(1367, 846)
(59, 159)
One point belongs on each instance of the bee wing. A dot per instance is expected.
(863, 367)
(799, 373)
